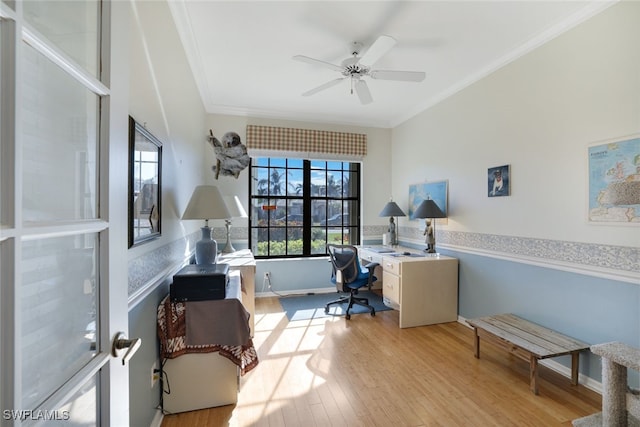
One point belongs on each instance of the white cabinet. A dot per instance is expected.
(204, 380)
(423, 288)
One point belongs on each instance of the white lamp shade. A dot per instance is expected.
(206, 203)
(235, 207)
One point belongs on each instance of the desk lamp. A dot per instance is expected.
(237, 211)
(206, 203)
(429, 209)
(391, 209)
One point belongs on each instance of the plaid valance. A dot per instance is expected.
(312, 142)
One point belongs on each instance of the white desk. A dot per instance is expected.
(424, 288)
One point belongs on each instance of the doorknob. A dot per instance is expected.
(120, 342)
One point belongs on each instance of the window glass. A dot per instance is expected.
(295, 163)
(10, 3)
(277, 182)
(295, 182)
(310, 214)
(58, 312)
(72, 26)
(59, 135)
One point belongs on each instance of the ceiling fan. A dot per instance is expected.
(356, 67)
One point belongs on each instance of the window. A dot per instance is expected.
(299, 206)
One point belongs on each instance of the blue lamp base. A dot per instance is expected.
(206, 248)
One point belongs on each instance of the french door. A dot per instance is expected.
(63, 292)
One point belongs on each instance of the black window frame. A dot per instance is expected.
(302, 200)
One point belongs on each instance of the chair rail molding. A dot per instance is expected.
(620, 263)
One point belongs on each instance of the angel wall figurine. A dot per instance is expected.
(231, 154)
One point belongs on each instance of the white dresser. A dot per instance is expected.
(203, 380)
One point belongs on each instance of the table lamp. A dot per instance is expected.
(391, 209)
(206, 203)
(429, 209)
(237, 211)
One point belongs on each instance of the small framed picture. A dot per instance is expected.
(498, 181)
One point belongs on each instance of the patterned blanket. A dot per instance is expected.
(172, 333)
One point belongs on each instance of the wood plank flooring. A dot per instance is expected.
(368, 372)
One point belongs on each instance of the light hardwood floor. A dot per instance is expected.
(368, 372)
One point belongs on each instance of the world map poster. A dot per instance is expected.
(614, 181)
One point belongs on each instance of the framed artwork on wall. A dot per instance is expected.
(499, 181)
(614, 181)
(436, 191)
(145, 178)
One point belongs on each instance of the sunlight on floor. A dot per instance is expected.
(294, 362)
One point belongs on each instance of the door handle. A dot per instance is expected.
(121, 342)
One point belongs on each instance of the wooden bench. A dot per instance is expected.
(528, 341)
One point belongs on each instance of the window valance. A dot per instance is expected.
(306, 142)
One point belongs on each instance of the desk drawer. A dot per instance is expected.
(392, 265)
(391, 286)
(368, 257)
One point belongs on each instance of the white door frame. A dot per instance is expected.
(113, 87)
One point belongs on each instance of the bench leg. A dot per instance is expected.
(533, 374)
(575, 361)
(476, 343)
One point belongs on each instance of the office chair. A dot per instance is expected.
(350, 276)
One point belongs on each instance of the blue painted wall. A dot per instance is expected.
(591, 309)
(299, 275)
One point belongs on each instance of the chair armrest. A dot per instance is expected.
(371, 267)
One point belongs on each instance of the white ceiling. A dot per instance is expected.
(241, 51)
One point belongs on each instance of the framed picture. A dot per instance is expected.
(498, 181)
(436, 190)
(614, 181)
(145, 190)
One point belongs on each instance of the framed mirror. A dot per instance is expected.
(145, 178)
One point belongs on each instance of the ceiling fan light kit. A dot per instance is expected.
(356, 67)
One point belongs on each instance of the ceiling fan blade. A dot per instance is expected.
(312, 61)
(363, 92)
(382, 45)
(404, 76)
(327, 85)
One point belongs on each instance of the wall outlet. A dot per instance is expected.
(155, 374)
(267, 275)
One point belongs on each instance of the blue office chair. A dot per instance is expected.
(350, 276)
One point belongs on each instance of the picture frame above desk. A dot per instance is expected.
(434, 190)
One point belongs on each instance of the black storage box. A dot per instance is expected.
(199, 282)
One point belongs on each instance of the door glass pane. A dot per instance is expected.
(3, 178)
(72, 26)
(59, 135)
(80, 410)
(58, 312)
